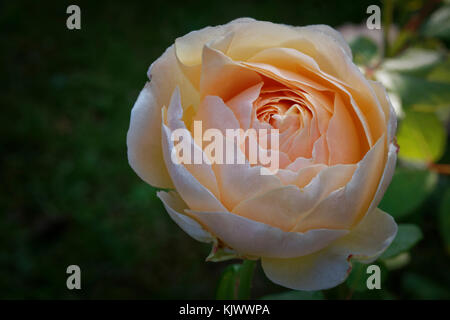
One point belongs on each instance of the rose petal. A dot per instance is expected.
(242, 105)
(197, 196)
(175, 206)
(388, 109)
(223, 77)
(346, 206)
(249, 237)
(215, 114)
(284, 206)
(144, 154)
(342, 136)
(386, 177)
(329, 267)
(201, 171)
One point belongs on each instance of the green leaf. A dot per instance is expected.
(364, 50)
(407, 182)
(295, 295)
(421, 137)
(407, 237)
(415, 90)
(413, 60)
(438, 25)
(444, 219)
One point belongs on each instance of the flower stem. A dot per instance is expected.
(245, 279)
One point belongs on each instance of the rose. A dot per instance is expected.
(319, 211)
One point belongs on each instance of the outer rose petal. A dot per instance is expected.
(144, 154)
(144, 134)
(386, 177)
(329, 267)
(333, 34)
(388, 109)
(175, 206)
(248, 237)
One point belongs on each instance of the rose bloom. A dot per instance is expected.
(336, 151)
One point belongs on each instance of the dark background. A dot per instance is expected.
(67, 193)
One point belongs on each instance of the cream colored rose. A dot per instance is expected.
(336, 148)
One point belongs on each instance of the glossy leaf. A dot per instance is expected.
(415, 90)
(438, 25)
(421, 137)
(413, 60)
(408, 236)
(364, 50)
(406, 182)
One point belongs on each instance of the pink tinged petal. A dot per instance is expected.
(342, 136)
(339, 69)
(144, 154)
(302, 144)
(215, 114)
(188, 48)
(256, 124)
(223, 77)
(201, 171)
(290, 63)
(249, 237)
(175, 206)
(329, 267)
(285, 77)
(197, 196)
(238, 182)
(242, 105)
(323, 113)
(284, 206)
(346, 206)
(300, 178)
(299, 163)
(320, 153)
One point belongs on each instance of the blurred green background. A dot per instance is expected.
(68, 195)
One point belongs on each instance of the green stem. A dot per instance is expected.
(245, 279)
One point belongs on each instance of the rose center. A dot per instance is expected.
(281, 109)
